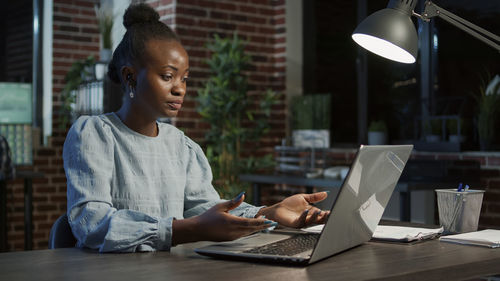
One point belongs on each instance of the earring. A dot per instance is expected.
(131, 94)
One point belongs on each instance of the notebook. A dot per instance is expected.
(354, 216)
(486, 238)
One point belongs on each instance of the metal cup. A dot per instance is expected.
(459, 210)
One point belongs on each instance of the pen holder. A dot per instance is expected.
(459, 211)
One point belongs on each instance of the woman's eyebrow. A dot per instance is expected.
(170, 66)
(174, 68)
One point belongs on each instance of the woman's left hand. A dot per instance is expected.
(297, 211)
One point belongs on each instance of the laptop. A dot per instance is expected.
(355, 214)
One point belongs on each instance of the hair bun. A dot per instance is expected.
(140, 13)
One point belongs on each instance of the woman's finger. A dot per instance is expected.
(313, 217)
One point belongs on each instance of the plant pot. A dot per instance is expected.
(432, 138)
(100, 71)
(105, 55)
(377, 138)
(311, 138)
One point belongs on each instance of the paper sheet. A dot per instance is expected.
(488, 238)
(393, 233)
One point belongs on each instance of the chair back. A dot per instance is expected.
(60, 235)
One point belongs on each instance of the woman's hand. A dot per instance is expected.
(297, 211)
(216, 224)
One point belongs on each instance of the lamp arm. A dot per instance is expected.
(432, 10)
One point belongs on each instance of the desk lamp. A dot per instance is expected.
(390, 33)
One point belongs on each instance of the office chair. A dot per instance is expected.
(60, 235)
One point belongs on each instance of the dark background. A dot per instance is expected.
(393, 88)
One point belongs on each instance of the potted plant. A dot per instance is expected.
(488, 103)
(377, 133)
(224, 104)
(311, 120)
(80, 71)
(104, 16)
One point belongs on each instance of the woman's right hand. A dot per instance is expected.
(217, 224)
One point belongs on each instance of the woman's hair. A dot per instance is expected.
(142, 23)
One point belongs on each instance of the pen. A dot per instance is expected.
(459, 187)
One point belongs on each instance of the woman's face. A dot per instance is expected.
(161, 79)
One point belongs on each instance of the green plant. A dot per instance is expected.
(377, 126)
(488, 103)
(104, 16)
(311, 112)
(77, 73)
(225, 105)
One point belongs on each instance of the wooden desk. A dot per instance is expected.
(431, 260)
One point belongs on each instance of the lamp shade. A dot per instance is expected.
(389, 33)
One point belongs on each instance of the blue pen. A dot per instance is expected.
(459, 187)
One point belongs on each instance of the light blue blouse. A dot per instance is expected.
(124, 188)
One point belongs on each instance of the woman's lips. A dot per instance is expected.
(175, 105)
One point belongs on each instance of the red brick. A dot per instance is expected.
(85, 20)
(225, 6)
(206, 3)
(248, 9)
(184, 20)
(257, 20)
(260, 2)
(218, 15)
(191, 11)
(279, 12)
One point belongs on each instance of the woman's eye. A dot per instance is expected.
(167, 77)
(184, 79)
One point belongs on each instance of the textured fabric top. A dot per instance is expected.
(125, 188)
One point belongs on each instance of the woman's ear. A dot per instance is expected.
(128, 75)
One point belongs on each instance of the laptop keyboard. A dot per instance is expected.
(287, 247)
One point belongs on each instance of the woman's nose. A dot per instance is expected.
(179, 89)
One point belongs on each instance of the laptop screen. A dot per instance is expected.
(362, 199)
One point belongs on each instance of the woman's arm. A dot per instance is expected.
(217, 224)
(89, 165)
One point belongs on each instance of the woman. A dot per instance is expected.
(138, 185)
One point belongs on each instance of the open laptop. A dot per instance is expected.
(354, 216)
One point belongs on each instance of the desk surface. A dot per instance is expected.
(431, 260)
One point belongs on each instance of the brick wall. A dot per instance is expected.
(261, 23)
(75, 37)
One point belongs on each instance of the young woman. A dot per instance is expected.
(138, 185)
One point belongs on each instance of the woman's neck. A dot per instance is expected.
(137, 120)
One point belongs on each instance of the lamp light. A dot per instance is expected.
(390, 33)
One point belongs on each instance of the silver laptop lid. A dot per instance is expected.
(362, 199)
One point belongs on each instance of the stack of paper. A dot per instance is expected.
(395, 233)
(487, 238)
(405, 234)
